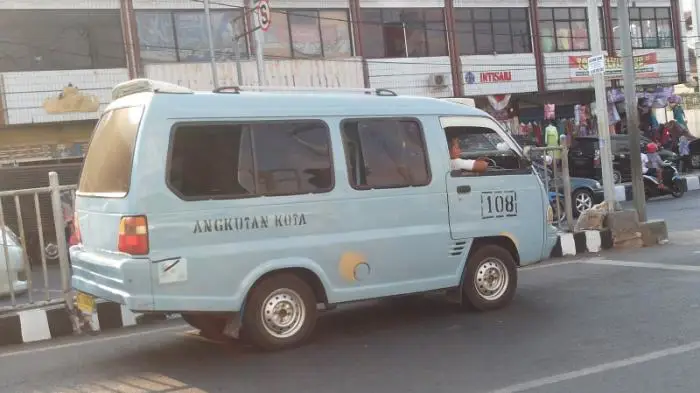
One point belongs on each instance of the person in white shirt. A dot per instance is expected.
(645, 164)
(459, 164)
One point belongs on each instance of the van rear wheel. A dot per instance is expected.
(280, 312)
(490, 278)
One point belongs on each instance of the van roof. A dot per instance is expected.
(289, 103)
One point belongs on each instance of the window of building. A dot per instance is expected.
(385, 153)
(233, 160)
(482, 31)
(181, 36)
(335, 34)
(650, 28)
(306, 34)
(563, 29)
(411, 32)
(166, 36)
(278, 43)
(46, 40)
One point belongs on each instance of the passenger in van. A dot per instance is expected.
(457, 163)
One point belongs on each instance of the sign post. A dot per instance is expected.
(263, 18)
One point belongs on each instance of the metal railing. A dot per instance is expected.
(15, 293)
(554, 173)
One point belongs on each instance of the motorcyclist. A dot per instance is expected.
(654, 163)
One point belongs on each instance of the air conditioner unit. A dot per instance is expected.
(438, 80)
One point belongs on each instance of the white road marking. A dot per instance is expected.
(93, 341)
(544, 265)
(648, 265)
(601, 368)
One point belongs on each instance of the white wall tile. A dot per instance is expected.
(411, 76)
(24, 92)
(57, 5)
(303, 73)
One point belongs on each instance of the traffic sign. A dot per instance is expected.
(264, 14)
(596, 65)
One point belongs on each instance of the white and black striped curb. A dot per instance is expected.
(623, 192)
(52, 322)
(570, 244)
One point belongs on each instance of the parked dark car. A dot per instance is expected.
(584, 192)
(695, 152)
(584, 157)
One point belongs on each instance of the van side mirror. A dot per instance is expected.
(527, 153)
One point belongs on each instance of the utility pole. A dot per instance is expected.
(628, 74)
(212, 58)
(696, 31)
(601, 105)
(259, 42)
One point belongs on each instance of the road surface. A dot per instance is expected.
(621, 321)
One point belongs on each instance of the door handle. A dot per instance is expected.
(464, 189)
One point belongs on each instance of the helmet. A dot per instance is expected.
(651, 147)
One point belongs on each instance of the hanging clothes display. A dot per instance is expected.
(549, 111)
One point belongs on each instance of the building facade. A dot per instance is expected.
(59, 60)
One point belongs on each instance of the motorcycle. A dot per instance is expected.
(557, 210)
(672, 181)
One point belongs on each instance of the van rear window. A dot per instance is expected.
(107, 168)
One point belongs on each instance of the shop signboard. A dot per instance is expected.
(646, 66)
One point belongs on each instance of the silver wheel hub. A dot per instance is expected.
(491, 279)
(283, 313)
(583, 202)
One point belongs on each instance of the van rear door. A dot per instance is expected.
(106, 178)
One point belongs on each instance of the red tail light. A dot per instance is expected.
(133, 235)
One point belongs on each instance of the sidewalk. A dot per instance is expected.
(39, 288)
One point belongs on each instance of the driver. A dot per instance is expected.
(457, 163)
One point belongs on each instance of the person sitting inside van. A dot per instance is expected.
(457, 163)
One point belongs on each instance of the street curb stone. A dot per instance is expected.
(27, 326)
(571, 244)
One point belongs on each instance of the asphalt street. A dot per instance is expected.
(621, 321)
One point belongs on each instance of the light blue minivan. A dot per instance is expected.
(246, 210)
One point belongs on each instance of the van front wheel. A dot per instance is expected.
(280, 312)
(490, 278)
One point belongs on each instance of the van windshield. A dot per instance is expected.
(107, 168)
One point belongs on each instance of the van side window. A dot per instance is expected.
(233, 160)
(385, 153)
(484, 143)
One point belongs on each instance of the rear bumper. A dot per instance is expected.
(116, 278)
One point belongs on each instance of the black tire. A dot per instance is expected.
(583, 193)
(695, 161)
(209, 325)
(677, 190)
(617, 176)
(293, 292)
(473, 298)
